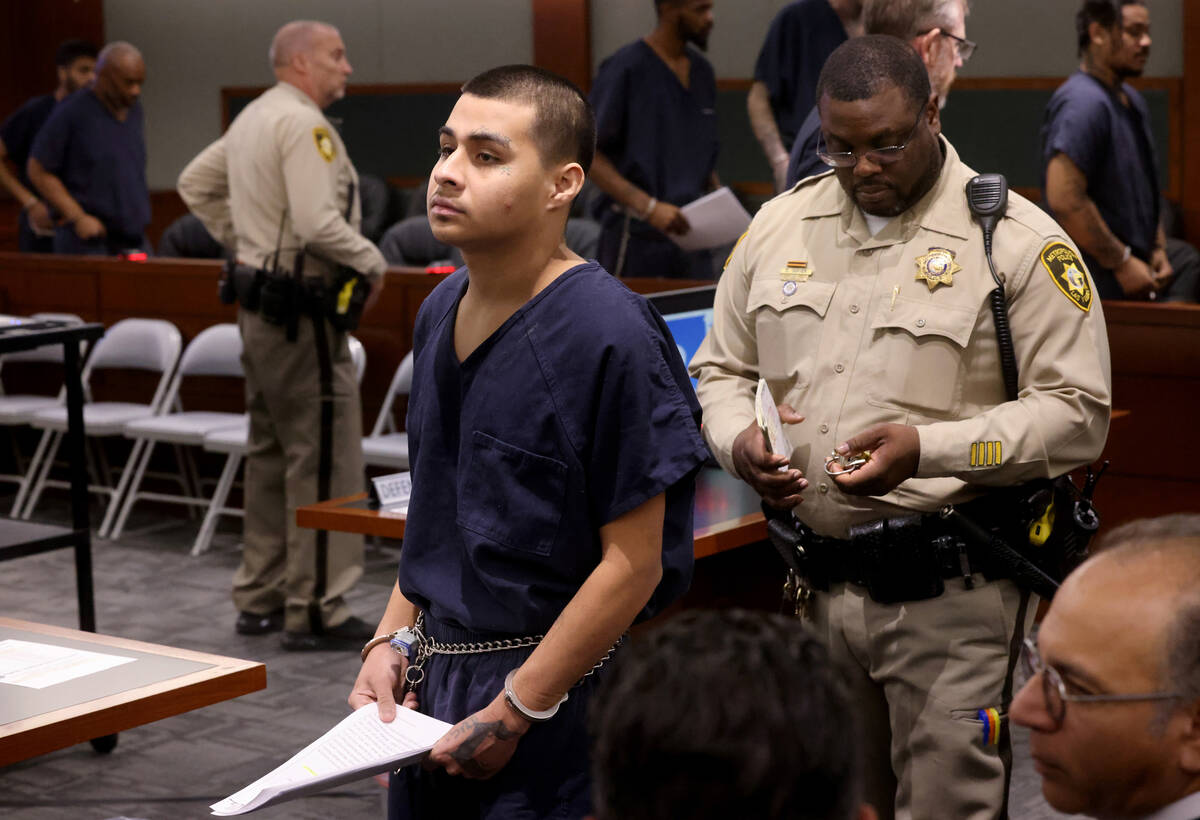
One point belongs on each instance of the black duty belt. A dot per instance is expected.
(905, 558)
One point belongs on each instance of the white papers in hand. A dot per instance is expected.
(767, 416)
(359, 746)
(716, 219)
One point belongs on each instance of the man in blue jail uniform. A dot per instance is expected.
(656, 144)
(937, 31)
(75, 63)
(554, 440)
(1099, 169)
(89, 160)
(800, 39)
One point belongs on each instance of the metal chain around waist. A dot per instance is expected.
(427, 647)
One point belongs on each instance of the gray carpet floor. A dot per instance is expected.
(148, 588)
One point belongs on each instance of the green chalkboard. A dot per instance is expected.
(387, 135)
(994, 130)
(998, 130)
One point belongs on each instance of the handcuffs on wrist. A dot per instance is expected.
(401, 641)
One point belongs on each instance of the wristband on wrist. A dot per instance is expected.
(529, 714)
(650, 206)
(1125, 255)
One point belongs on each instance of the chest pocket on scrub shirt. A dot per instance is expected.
(512, 496)
(916, 355)
(788, 328)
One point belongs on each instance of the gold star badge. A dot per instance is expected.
(937, 267)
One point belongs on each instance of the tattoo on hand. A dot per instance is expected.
(475, 734)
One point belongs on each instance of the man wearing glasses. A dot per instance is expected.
(862, 298)
(1113, 697)
(936, 29)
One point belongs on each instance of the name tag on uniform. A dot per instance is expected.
(393, 491)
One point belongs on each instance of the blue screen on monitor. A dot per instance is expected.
(689, 329)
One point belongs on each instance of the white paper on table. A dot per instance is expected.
(38, 665)
(716, 219)
(767, 416)
(359, 746)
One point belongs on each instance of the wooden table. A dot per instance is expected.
(160, 682)
(727, 515)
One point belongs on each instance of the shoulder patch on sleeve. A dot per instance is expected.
(324, 143)
(1068, 273)
(729, 258)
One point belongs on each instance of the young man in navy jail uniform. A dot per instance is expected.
(656, 144)
(554, 440)
(75, 64)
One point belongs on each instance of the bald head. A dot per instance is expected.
(120, 74)
(296, 38)
(311, 56)
(1158, 559)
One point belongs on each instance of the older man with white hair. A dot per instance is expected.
(279, 189)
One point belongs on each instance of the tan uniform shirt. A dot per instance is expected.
(861, 339)
(281, 170)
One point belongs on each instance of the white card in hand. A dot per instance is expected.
(767, 415)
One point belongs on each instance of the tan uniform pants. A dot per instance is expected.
(920, 672)
(283, 397)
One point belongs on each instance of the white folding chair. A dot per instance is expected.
(234, 442)
(216, 351)
(385, 447)
(137, 344)
(16, 409)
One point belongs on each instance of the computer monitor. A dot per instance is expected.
(689, 315)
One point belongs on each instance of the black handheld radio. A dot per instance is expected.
(987, 197)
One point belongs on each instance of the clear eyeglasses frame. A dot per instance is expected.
(877, 156)
(1055, 693)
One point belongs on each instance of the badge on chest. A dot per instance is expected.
(937, 267)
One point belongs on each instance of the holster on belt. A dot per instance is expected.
(242, 284)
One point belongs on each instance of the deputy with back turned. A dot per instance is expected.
(864, 298)
(279, 190)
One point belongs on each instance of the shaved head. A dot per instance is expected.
(117, 53)
(120, 74)
(296, 37)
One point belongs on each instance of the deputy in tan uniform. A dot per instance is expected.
(861, 296)
(277, 187)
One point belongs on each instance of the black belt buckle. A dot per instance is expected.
(900, 562)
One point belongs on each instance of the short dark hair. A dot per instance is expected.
(71, 50)
(863, 66)
(1105, 12)
(1176, 536)
(564, 127)
(720, 714)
